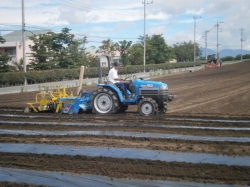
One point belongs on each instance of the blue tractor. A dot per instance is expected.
(151, 97)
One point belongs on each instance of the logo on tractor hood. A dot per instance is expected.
(147, 86)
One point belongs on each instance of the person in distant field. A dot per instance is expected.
(113, 77)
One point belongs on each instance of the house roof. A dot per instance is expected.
(8, 44)
(17, 35)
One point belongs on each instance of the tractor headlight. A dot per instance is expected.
(164, 87)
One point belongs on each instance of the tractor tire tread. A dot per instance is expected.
(111, 94)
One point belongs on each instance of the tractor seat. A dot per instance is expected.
(109, 82)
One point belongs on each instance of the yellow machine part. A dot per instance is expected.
(43, 99)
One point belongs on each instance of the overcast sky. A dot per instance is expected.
(124, 19)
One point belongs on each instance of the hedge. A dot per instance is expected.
(34, 77)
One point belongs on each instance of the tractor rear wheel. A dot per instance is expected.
(104, 101)
(147, 107)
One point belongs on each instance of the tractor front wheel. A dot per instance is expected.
(162, 109)
(104, 101)
(147, 107)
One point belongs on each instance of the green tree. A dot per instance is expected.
(108, 47)
(18, 66)
(122, 47)
(157, 51)
(4, 59)
(56, 50)
(2, 40)
(43, 54)
(246, 56)
(62, 43)
(227, 58)
(161, 51)
(238, 57)
(136, 54)
(91, 60)
(75, 54)
(185, 51)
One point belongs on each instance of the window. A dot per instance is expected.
(104, 64)
(11, 51)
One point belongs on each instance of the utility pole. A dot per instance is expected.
(205, 36)
(218, 30)
(144, 49)
(23, 37)
(241, 39)
(195, 17)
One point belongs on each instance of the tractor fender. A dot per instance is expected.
(115, 89)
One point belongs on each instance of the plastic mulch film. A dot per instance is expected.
(125, 153)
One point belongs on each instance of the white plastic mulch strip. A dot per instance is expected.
(65, 179)
(114, 117)
(126, 134)
(125, 153)
(125, 125)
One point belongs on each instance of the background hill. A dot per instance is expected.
(226, 52)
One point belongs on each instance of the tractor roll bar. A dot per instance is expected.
(100, 66)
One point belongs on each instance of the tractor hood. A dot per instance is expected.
(150, 84)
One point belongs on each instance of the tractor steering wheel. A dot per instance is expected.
(128, 77)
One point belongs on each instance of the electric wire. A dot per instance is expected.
(101, 12)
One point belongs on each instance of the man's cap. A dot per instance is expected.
(116, 64)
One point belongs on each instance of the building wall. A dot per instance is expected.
(19, 50)
(28, 51)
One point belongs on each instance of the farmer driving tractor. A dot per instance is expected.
(123, 86)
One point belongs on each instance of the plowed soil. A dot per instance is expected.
(214, 98)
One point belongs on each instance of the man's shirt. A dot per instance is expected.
(113, 75)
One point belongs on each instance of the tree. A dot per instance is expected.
(227, 58)
(108, 47)
(4, 59)
(92, 60)
(122, 47)
(75, 54)
(18, 66)
(161, 51)
(57, 50)
(61, 44)
(43, 54)
(2, 40)
(246, 56)
(157, 51)
(185, 51)
(136, 54)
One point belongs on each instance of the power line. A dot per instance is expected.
(101, 11)
(89, 7)
(104, 37)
